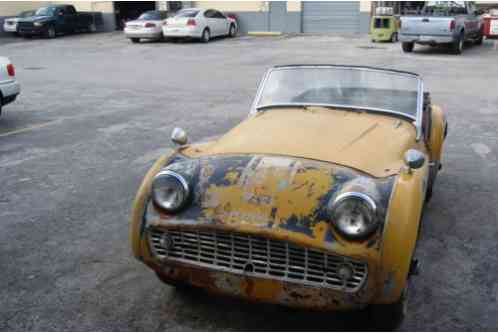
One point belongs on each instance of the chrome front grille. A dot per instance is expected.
(257, 256)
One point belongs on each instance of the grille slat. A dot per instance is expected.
(257, 256)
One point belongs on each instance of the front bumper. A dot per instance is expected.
(9, 27)
(32, 31)
(256, 289)
(142, 33)
(192, 32)
(425, 39)
(10, 90)
(299, 285)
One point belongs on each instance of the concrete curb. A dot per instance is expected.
(264, 33)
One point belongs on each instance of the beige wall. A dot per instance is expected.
(293, 6)
(365, 6)
(235, 6)
(11, 8)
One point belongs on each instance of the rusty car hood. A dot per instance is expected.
(270, 192)
(372, 143)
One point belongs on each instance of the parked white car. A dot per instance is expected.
(10, 24)
(9, 87)
(199, 23)
(147, 26)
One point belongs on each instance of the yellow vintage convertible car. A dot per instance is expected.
(313, 201)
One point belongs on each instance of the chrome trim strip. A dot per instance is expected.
(175, 175)
(355, 107)
(362, 196)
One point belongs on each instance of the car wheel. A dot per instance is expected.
(232, 32)
(92, 27)
(394, 37)
(206, 36)
(50, 32)
(135, 40)
(407, 47)
(457, 46)
(388, 317)
(479, 40)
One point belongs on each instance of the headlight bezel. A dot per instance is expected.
(183, 184)
(369, 203)
(38, 24)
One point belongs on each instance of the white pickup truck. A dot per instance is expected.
(442, 22)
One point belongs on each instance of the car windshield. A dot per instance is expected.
(153, 16)
(25, 14)
(443, 8)
(351, 87)
(45, 11)
(187, 13)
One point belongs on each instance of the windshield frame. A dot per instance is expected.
(415, 120)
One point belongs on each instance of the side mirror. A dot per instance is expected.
(414, 159)
(179, 136)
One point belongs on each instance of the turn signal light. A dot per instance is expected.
(149, 25)
(10, 70)
(191, 22)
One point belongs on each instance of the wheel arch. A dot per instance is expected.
(401, 234)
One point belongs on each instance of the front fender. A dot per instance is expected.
(139, 204)
(437, 133)
(401, 233)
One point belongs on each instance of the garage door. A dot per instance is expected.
(340, 16)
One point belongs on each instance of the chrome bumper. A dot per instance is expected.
(425, 39)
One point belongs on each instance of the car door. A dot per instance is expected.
(222, 23)
(210, 21)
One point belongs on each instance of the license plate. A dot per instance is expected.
(494, 27)
(425, 38)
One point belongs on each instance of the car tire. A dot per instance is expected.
(388, 317)
(394, 37)
(206, 36)
(479, 40)
(232, 32)
(92, 27)
(457, 45)
(135, 40)
(50, 33)
(407, 47)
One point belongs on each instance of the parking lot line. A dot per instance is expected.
(27, 129)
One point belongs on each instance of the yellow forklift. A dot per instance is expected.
(384, 25)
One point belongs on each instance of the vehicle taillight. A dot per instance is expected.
(165, 23)
(149, 25)
(191, 22)
(452, 25)
(10, 70)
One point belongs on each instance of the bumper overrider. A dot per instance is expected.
(257, 228)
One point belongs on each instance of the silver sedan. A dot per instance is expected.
(200, 24)
(147, 26)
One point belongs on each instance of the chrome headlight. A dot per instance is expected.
(170, 191)
(354, 215)
(38, 24)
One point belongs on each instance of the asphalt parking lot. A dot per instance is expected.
(96, 111)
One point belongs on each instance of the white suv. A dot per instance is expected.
(9, 87)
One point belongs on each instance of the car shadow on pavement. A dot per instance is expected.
(232, 314)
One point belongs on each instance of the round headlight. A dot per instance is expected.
(170, 191)
(354, 215)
